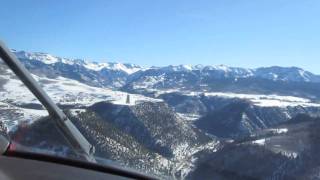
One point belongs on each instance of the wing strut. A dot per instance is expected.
(72, 134)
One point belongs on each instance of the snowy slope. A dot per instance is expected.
(18, 104)
(67, 92)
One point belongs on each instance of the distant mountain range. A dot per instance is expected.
(172, 120)
(133, 78)
(57, 64)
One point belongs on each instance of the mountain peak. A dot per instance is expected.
(114, 74)
(94, 66)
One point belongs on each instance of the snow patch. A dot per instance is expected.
(259, 142)
(268, 100)
(279, 131)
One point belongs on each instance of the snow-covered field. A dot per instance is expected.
(67, 92)
(268, 100)
(263, 100)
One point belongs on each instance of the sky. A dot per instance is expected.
(242, 33)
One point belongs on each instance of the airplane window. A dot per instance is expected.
(177, 89)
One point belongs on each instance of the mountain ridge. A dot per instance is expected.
(129, 68)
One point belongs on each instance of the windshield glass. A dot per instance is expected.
(25, 120)
(192, 90)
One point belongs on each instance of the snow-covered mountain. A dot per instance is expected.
(229, 115)
(154, 132)
(112, 75)
(162, 120)
(132, 77)
(50, 59)
(287, 151)
(273, 80)
(275, 73)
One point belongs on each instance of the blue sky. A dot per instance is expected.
(245, 33)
